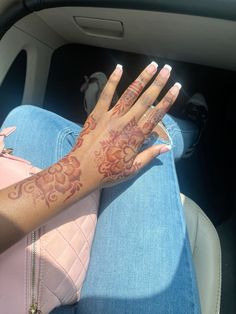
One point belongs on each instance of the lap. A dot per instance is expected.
(141, 260)
(42, 137)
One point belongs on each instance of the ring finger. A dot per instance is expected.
(150, 95)
(154, 115)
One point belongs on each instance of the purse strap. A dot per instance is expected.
(4, 133)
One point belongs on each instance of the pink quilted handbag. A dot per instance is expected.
(48, 266)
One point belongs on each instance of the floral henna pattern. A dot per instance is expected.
(116, 157)
(61, 178)
(90, 124)
(129, 96)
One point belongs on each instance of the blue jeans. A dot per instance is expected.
(141, 261)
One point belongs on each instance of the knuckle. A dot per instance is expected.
(136, 87)
(159, 83)
(153, 153)
(147, 100)
(105, 96)
(144, 77)
(113, 79)
(168, 99)
(171, 94)
(159, 114)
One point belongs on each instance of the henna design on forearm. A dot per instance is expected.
(116, 157)
(63, 178)
(128, 98)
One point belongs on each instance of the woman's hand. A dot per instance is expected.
(107, 152)
(108, 148)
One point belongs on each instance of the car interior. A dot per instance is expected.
(47, 48)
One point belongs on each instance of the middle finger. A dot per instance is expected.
(150, 95)
(132, 93)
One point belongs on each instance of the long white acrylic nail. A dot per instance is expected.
(154, 63)
(152, 67)
(119, 66)
(178, 85)
(118, 69)
(168, 67)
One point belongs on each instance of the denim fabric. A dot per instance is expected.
(141, 260)
(42, 137)
(183, 134)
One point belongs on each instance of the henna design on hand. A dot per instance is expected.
(90, 124)
(116, 157)
(61, 178)
(129, 96)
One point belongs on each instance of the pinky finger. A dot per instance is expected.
(143, 158)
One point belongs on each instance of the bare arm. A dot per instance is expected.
(106, 153)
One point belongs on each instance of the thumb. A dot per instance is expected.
(148, 154)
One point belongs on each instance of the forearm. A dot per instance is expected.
(29, 203)
(108, 151)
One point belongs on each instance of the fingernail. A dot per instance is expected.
(176, 88)
(118, 69)
(165, 149)
(165, 72)
(152, 67)
(178, 85)
(168, 67)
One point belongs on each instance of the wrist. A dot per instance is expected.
(81, 173)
